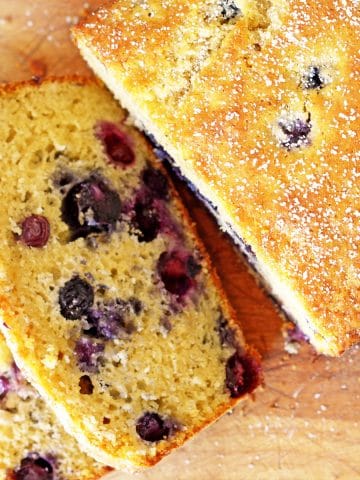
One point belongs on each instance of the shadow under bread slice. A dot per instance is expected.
(109, 302)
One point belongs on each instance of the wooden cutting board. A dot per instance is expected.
(304, 423)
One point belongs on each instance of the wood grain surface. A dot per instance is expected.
(304, 423)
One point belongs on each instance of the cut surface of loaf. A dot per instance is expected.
(109, 303)
(264, 124)
(33, 444)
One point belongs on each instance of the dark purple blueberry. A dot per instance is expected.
(35, 231)
(296, 132)
(242, 374)
(156, 181)
(86, 386)
(4, 386)
(152, 428)
(75, 298)
(229, 9)
(88, 355)
(313, 79)
(91, 207)
(173, 268)
(146, 221)
(117, 144)
(226, 333)
(107, 321)
(34, 467)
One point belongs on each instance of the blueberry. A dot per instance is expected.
(312, 79)
(229, 9)
(176, 271)
(75, 298)
(86, 386)
(88, 354)
(4, 386)
(107, 320)
(35, 231)
(156, 181)
(117, 144)
(242, 374)
(296, 132)
(146, 221)
(90, 207)
(34, 467)
(152, 428)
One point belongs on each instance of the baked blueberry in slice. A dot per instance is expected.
(177, 271)
(313, 79)
(152, 427)
(229, 10)
(75, 298)
(91, 206)
(146, 221)
(88, 354)
(35, 231)
(34, 467)
(157, 183)
(296, 133)
(242, 374)
(117, 144)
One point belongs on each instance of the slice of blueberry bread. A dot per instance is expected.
(257, 103)
(108, 299)
(33, 444)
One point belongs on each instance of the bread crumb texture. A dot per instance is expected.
(109, 304)
(265, 124)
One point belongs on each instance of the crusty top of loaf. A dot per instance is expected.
(274, 68)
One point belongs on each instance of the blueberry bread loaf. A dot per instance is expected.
(33, 445)
(108, 301)
(257, 104)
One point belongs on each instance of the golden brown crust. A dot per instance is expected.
(296, 205)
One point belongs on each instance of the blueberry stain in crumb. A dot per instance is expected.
(91, 207)
(107, 320)
(296, 133)
(151, 427)
(117, 144)
(35, 231)
(86, 386)
(242, 374)
(88, 354)
(4, 386)
(75, 298)
(34, 467)
(313, 79)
